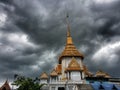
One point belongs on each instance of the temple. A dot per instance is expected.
(70, 68)
(71, 73)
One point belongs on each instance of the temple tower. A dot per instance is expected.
(71, 59)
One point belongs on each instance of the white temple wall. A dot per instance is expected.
(75, 75)
(66, 61)
(53, 79)
(59, 77)
(43, 81)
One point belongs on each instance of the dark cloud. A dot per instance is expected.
(33, 34)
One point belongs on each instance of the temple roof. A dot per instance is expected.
(5, 86)
(87, 72)
(73, 65)
(101, 73)
(70, 49)
(53, 73)
(59, 68)
(44, 76)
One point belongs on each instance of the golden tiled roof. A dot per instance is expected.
(59, 68)
(73, 65)
(101, 73)
(87, 72)
(44, 76)
(53, 73)
(70, 49)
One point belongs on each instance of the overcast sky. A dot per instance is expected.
(33, 35)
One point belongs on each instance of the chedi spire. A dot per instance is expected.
(70, 49)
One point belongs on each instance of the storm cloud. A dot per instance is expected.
(33, 35)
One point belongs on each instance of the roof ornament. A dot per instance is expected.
(68, 26)
(69, 38)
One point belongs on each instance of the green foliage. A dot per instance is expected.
(24, 83)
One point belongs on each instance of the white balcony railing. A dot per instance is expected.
(68, 82)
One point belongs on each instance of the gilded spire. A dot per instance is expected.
(68, 31)
(70, 49)
(69, 38)
(68, 27)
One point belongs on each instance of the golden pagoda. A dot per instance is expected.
(70, 50)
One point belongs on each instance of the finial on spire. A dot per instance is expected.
(69, 38)
(68, 26)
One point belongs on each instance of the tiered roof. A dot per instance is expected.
(87, 72)
(101, 73)
(70, 49)
(44, 76)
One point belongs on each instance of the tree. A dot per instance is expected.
(26, 83)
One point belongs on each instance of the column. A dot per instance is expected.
(50, 79)
(68, 75)
(56, 79)
(83, 76)
(80, 76)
